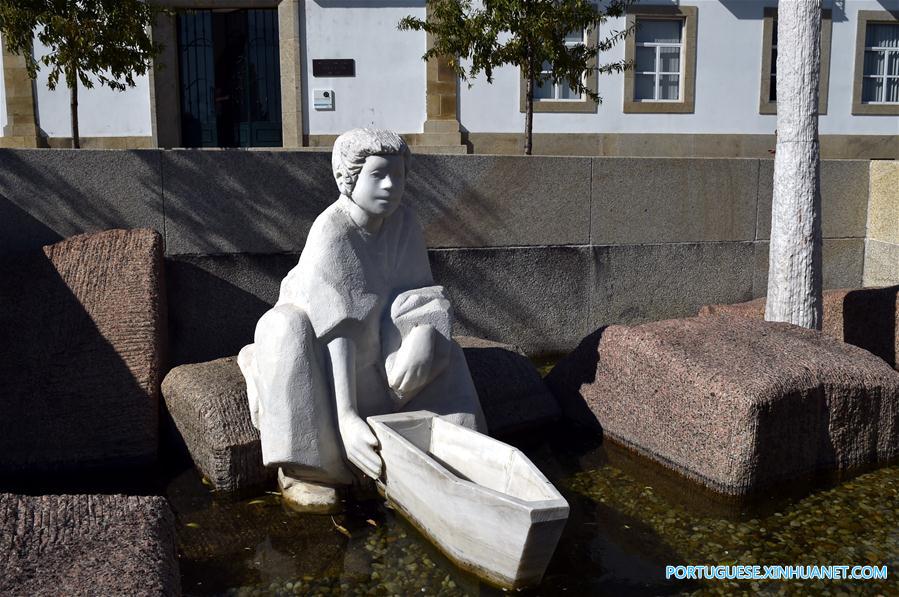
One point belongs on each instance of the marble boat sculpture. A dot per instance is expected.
(482, 502)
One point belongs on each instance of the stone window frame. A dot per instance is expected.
(690, 16)
(165, 98)
(582, 106)
(766, 106)
(864, 18)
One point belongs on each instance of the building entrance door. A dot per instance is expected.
(230, 78)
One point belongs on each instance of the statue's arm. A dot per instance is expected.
(358, 439)
(423, 355)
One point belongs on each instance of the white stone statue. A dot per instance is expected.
(359, 329)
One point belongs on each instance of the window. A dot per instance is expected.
(657, 67)
(663, 53)
(559, 91)
(876, 83)
(559, 97)
(881, 71)
(772, 80)
(768, 94)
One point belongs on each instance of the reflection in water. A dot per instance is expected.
(628, 520)
(257, 546)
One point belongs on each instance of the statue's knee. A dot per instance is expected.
(282, 323)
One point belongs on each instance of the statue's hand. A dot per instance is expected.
(360, 442)
(420, 359)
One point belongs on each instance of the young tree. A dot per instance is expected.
(107, 41)
(794, 274)
(523, 33)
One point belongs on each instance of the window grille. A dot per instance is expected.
(880, 84)
(561, 90)
(658, 63)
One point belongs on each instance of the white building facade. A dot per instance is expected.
(263, 73)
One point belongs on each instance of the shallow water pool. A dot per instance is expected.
(629, 519)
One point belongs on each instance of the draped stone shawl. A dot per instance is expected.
(347, 277)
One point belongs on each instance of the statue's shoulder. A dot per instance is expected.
(330, 224)
(325, 239)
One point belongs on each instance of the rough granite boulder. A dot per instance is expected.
(865, 317)
(208, 404)
(82, 328)
(734, 403)
(87, 545)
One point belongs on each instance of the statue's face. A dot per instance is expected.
(380, 184)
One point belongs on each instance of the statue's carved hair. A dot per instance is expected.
(354, 146)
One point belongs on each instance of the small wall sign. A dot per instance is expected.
(334, 67)
(323, 99)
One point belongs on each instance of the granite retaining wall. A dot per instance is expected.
(534, 251)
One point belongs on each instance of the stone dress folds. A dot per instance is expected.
(344, 285)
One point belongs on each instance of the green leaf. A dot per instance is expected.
(104, 42)
(522, 33)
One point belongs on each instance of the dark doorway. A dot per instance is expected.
(230, 78)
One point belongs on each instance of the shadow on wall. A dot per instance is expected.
(242, 201)
(21, 229)
(445, 201)
(513, 251)
(215, 302)
(501, 201)
(869, 321)
(259, 204)
(203, 201)
(742, 9)
(534, 297)
(48, 195)
(218, 298)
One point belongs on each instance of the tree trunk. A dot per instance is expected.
(794, 262)
(529, 115)
(72, 80)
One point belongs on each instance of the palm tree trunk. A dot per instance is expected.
(794, 262)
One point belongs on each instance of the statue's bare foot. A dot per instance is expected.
(303, 496)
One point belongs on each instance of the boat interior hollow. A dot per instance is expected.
(476, 458)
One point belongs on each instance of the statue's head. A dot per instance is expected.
(370, 167)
